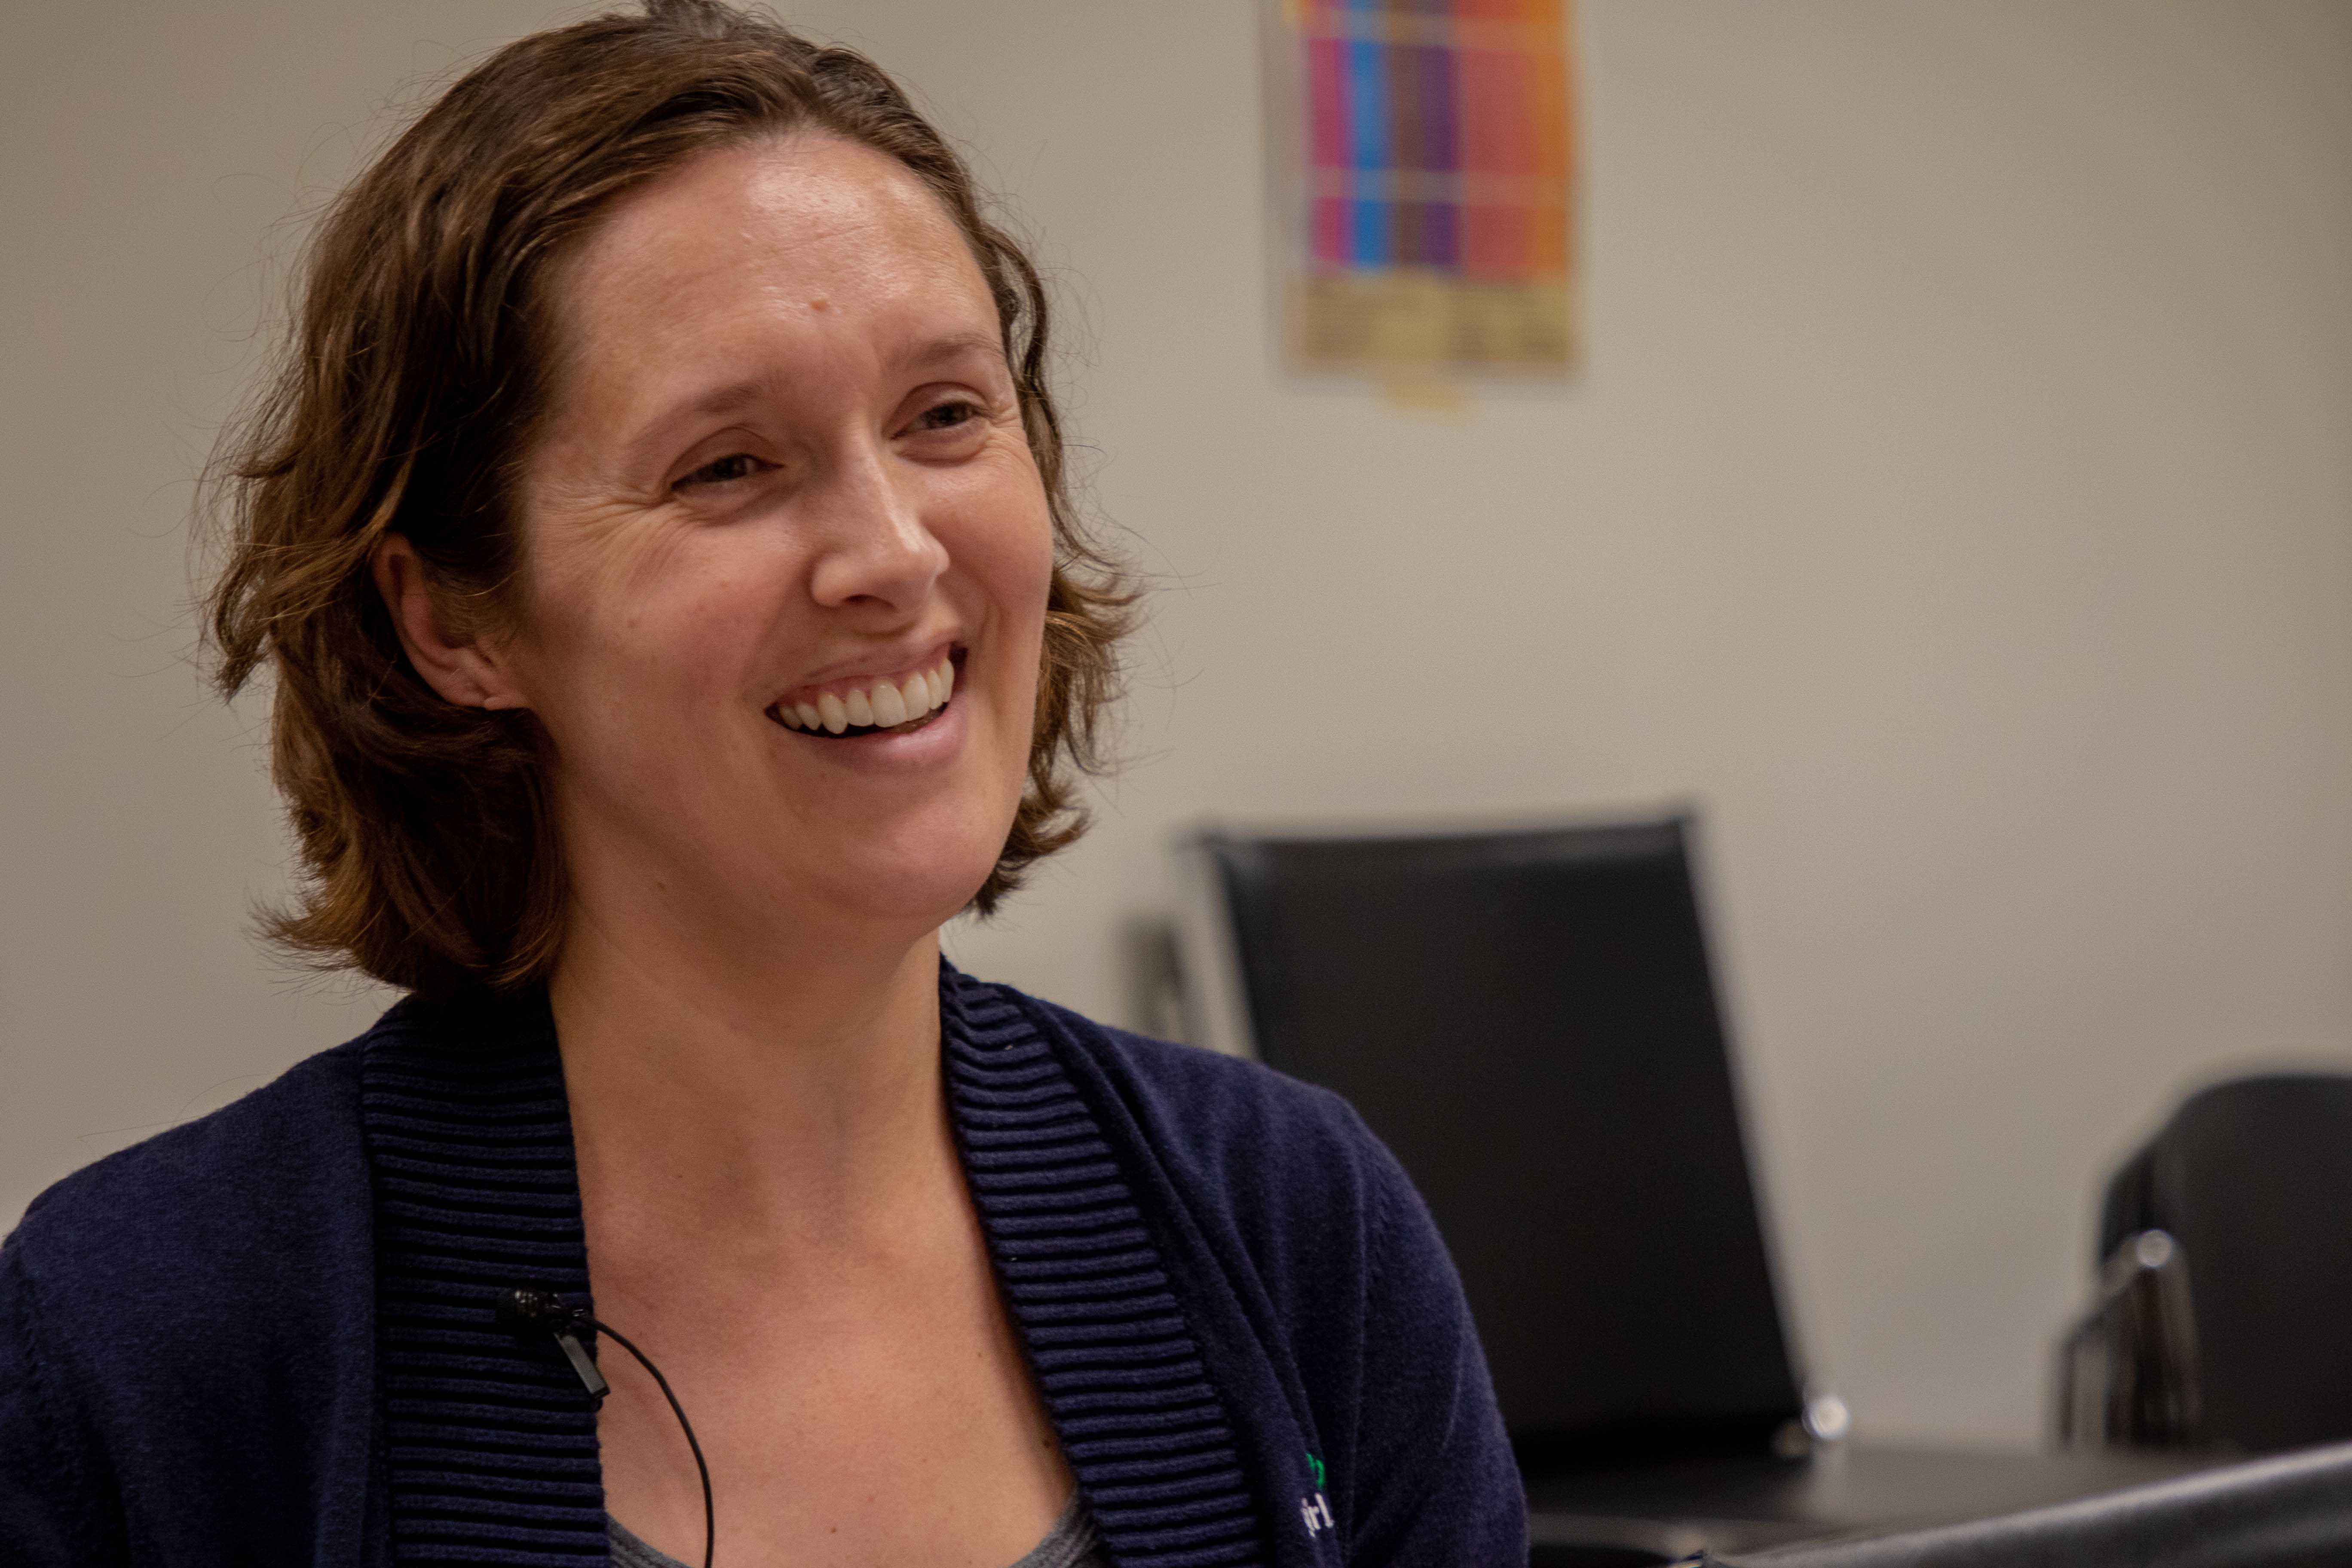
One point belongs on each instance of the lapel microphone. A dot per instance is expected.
(544, 1312)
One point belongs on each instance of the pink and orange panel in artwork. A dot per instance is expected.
(1435, 177)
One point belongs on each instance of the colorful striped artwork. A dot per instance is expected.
(1429, 175)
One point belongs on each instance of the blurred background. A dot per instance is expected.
(1953, 507)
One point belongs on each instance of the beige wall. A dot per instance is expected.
(1957, 505)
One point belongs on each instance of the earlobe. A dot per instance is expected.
(450, 657)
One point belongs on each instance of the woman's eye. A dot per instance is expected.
(947, 416)
(722, 470)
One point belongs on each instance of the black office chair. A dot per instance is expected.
(1529, 1019)
(2225, 1317)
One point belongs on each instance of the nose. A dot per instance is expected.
(877, 549)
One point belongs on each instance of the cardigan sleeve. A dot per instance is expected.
(186, 1354)
(1435, 1480)
(50, 1510)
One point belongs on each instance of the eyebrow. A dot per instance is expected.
(730, 397)
(961, 342)
(734, 395)
(955, 346)
(712, 402)
(724, 399)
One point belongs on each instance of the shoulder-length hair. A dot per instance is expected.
(415, 377)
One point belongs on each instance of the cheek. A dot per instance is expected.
(1003, 522)
(1028, 580)
(1018, 578)
(1014, 563)
(1005, 561)
(645, 639)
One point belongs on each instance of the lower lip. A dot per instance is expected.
(883, 751)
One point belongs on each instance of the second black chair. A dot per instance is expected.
(2245, 1195)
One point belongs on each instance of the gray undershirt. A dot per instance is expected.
(1071, 1543)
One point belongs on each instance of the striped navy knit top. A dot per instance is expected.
(270, 1335)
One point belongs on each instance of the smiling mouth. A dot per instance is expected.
(878, 706)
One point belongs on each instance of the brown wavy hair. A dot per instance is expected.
(414, 378)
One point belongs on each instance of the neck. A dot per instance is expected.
(792, 1084)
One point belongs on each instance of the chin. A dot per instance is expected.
(920, 883)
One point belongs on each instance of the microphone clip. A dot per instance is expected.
(542, 1312)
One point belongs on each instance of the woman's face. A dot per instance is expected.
(788, 550)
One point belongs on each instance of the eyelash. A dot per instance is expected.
(971, 410)
(703, 475)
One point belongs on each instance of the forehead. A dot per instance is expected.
(804, 231)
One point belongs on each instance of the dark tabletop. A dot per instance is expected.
(1661, 1509)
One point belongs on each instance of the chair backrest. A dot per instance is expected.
(1530, 1021)
(2252, 1178)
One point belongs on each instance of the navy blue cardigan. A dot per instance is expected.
(267, 1337)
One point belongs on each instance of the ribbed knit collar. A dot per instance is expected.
(490, 1445)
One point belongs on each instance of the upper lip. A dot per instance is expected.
(904, 659)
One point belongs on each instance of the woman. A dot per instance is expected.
(657, 541)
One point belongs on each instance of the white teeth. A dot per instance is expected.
(880, 706)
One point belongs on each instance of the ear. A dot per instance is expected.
(461, 666)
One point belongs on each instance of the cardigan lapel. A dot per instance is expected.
(490, 1443)
(1139, 1418)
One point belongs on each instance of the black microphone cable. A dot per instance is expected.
(541, 1311)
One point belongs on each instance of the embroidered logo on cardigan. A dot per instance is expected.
(1315, 1508)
